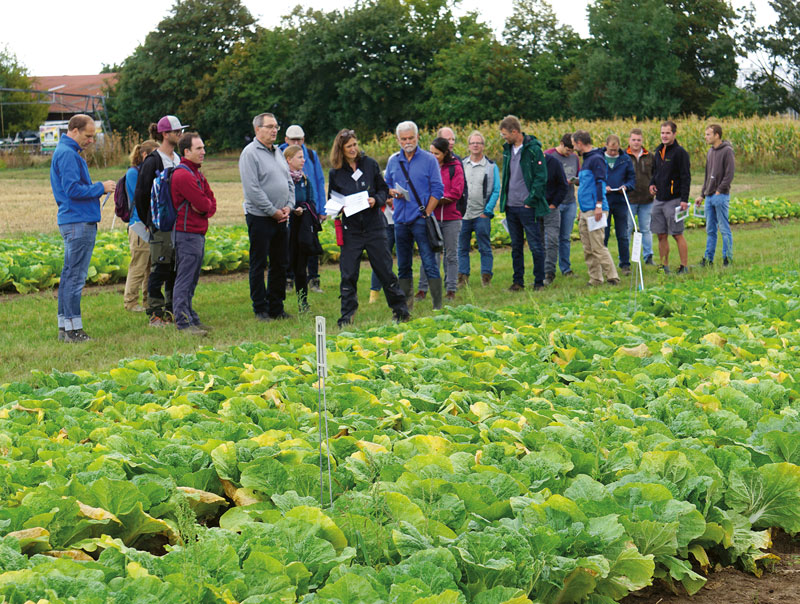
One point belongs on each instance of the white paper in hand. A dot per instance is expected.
(681, 214)
(356, 202)
(335, 204)
(597, 224)
(699, 210)
(636, 252)
(403, 192)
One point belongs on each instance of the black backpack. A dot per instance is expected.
(461, 203)
(122, 205)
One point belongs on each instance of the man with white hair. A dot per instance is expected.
(417, 172)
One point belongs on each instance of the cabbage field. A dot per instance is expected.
(32, 263)
(566, 454)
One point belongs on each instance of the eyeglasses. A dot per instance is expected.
(476, 143)
(270, 127)
(347, 134)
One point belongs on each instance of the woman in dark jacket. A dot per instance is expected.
(304, 204)
(353, 172)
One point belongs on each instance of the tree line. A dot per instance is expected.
(378, 62)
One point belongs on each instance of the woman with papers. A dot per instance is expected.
(357, 192)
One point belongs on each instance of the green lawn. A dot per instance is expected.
(29, 321)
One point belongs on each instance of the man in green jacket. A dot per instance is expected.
(523, 199)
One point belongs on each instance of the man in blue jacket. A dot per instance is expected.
(594, 207)
(313, 170)
(621, 175)
(78, 214)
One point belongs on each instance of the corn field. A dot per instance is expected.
(762, 144)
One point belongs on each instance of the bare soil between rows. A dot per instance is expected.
(777, 585)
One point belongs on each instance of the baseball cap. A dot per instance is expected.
(170, 122)
(295, 131)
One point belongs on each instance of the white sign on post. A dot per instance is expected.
(636, 252)
(322, 349)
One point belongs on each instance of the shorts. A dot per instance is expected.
(662, 218)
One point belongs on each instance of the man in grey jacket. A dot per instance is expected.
(716, 192)
(268, 200)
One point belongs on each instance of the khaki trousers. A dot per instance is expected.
(138, 271)
(598, 259)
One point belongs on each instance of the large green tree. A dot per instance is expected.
(623, 73)
(162, 74)
(775, 76)
(17, 110)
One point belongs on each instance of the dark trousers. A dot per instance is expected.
(162, 274)
(374, 242)
(189, 250)
(618, 211)
(522, 224)
(311, 267)
(269, 239)
(298, 263)
(375, 282)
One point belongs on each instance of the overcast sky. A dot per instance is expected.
(108, 32)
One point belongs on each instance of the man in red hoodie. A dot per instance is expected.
(195, 203)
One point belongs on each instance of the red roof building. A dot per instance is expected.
(63, 105)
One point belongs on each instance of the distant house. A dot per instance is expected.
(64, 105)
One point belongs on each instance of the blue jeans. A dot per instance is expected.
(717, 217)
(79, 241)
(482, 227)
(404, 236)
(618, 210)
(522, 224)
(376, 283)
(568, 212)
(642, 212)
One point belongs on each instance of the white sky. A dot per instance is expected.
(110, 31)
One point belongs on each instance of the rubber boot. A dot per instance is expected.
(407, 286)
(435, 287)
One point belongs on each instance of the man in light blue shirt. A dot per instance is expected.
(78, 214)
(416, 171)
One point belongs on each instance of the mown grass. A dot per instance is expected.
(29, 322)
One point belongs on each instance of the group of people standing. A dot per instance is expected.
(285, 205)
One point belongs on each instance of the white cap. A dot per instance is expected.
(295, 131)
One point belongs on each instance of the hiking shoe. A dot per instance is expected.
(726, 261)
(156, 321)
(281, 316)
(682, 270)
(538, 286)
(61, 334)
(463, 279)
(344, 322)
(401, 318)
(313, 285)
(568, 273)
(706, 262)
(263, 316)
(75, 336)
(194, 330)
(549, 278)
(663, 268)
(374, 296)
(136, 308)
(450, 295)
(202, 325)
(614, 281)
(625, 270)
(486, 279)
(516, 287)
(649, 260)
(421, 295)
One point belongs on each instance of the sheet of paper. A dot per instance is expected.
(681, 214)
(597, 224)
(356, 202)
(357, 174)
(699, 211)
(636, 251)
(403, 192)
(335, 204)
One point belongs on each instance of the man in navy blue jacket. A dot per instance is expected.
(78, 214)
(621, 175)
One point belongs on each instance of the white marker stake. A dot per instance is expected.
(636, 251)
(322, 403)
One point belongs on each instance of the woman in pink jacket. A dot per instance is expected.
(448, 215)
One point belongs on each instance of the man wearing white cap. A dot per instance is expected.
(167, 132)
(313, 170)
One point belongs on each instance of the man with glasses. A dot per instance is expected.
(268, 200)
(483, 182)
(313, 170)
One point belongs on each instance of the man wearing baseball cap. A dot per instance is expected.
(313, 170)
(167, 132)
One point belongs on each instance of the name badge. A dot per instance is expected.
(357, 174)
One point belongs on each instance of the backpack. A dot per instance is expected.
(122, 205)
(461, 203)
(162, 212)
